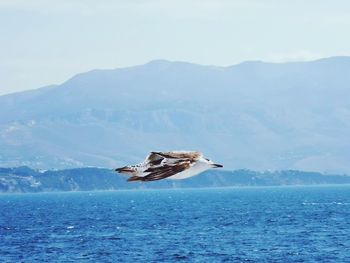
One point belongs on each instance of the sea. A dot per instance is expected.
(251, 224)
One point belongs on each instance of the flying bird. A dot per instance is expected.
(170, 165)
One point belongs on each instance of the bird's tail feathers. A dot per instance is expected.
(125, 170)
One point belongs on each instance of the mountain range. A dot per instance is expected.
(253, 115)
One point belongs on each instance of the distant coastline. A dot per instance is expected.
(26, 180)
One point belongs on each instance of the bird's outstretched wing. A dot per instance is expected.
(154, 158)
(160, 165)
(159, 172)
(133, 170)
(163, 158)
(178, 155)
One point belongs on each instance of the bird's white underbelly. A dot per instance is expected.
(196, 169)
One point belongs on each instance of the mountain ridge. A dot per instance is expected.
(165, 61)
(254, 115)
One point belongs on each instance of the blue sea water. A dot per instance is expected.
(276, 224)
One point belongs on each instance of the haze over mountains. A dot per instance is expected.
(254, 115)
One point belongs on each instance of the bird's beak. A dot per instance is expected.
(215, 165)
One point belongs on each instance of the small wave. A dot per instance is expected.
(326, 203)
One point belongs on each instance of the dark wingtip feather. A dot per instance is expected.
(119, 169)
(124, 169)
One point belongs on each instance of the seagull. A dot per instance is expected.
(171, 165)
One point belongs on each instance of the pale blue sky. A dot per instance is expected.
(46, 42)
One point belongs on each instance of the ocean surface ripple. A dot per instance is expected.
(270, 224)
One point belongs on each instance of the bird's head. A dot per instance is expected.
(210, 163)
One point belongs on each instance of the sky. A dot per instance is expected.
(47, 42)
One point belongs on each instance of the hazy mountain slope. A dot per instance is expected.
(253, 115)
